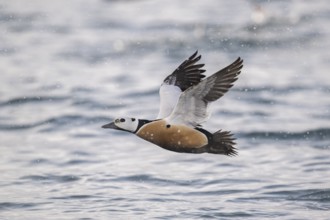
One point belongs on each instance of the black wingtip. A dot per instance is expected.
(239, 60)
(188, 73)
(193, 56)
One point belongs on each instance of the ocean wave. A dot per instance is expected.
(51, 178)
(32, 99)
(17, 205)
(319, 195)
(318, 134)
(55, 123)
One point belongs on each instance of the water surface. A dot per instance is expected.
(68, 67)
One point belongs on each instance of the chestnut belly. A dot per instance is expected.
(177, 138)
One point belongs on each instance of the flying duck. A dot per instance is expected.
(185, 98)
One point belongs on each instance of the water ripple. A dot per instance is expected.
(32, 99)
(55, 123)
(155, 181)
(70, 197)
(319, 195)
(16, 205)
(51, 178)
(315, 134)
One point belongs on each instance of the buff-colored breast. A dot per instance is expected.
(175, 137)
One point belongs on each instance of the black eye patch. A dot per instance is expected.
(122, 120)
(133, 119)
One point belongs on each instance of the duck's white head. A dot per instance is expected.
(125, 124)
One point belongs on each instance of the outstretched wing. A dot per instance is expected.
(186, 75)
(192, 107)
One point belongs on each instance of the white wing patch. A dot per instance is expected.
(169, 96)
(191, 109)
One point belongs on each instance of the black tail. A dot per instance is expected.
(222, 143)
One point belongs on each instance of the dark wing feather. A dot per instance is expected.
(223, 80)
(192, 107)
(187, 74)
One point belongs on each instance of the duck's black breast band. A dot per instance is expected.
(141, 123)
